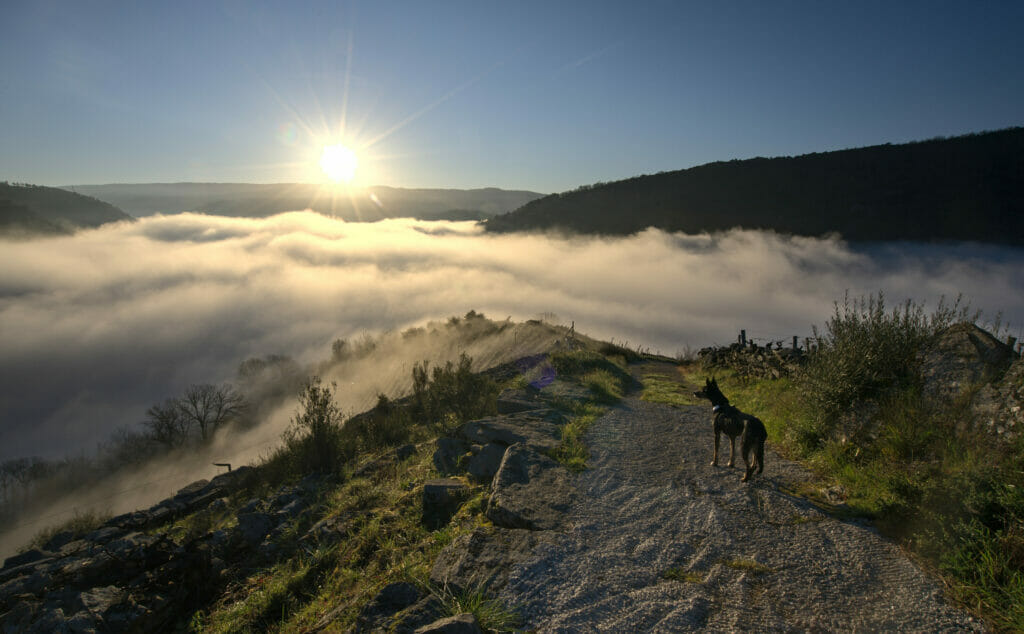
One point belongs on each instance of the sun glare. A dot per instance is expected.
(339, 163)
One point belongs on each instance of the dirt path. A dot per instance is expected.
(746, 557)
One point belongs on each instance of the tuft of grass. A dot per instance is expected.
(79, 524)
(747, 565)
(606, 387)
(660, 388)
(490, 613)
(572, 453)
(681, 574)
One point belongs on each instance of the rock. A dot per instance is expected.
(459, 624)
(512, 401)
(538, 429)
(98, 601)
(103, 535)
(448, 455)
(34, 583)
(328, 531)
(253, 527)
(441, 499)
(292, 509)
(26, 557)
(252, 506)
(381, 610)
(192, 490)
(961, 357)
(530, 491)
(51, 620)
(426, 610)
(484, 558)
(56, 542)
(484, 464)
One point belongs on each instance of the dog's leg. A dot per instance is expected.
(748, 454)
(714, 461)
(732, 451)
(760, 457)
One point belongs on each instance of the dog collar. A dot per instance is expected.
(716, 408)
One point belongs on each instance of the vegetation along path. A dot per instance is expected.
(659, 540)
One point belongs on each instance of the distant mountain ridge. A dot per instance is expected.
(262, 200)
(962, 188)
(37, 210)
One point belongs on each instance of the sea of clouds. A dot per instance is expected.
(101, 325)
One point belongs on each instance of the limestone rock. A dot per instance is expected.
(448, 455)
(484, 464)
(530, 491)
(538, 429)
(458, 624)
(253, 527)
(963, 356)
(484, 558)
(441, 499)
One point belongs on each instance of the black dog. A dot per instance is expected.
(732, 422)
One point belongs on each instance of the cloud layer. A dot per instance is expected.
(98, 326)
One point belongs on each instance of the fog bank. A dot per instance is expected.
(98, 326)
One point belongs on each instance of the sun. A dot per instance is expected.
(339, 163)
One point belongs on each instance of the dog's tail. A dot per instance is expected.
(759, 452)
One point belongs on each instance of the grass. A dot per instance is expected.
(79, 524)
(491, 614)
(662, 388)
(572, 453)
(856, 416)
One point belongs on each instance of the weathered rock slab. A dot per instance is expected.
(484, 558)
(538, 429)
(458, 624)
(530, 491)
(485, 463)
(441, 499)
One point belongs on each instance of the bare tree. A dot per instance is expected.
(167, 423)
(209, 406)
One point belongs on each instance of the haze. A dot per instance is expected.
(99, 326)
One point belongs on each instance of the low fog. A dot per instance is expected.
(99, 326)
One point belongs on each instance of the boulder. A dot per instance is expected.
(26, 557)
(458, 624)
(484, 558)
(381, 610)
(530, 491)
(484, 463)
(961, 357)
(253, 527)
(404, 452)
(512, 401)
(448, 455)
(538, 429)
(441, 499)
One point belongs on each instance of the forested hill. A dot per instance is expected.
(964, 188)
(34, 209)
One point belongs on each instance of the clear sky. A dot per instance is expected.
(521, 95)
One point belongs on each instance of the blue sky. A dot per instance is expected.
(522, 95)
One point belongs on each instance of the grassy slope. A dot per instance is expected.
(920, 483)
(386, 541)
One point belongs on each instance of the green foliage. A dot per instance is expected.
(606, 387)
(388, 424)
(78, 525)
(661, 388)
(747, 565)
(571, 452)
(490, 613)
(315, 441)
(452, 394)
(866, 352)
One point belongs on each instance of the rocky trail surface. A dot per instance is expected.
(656, 539)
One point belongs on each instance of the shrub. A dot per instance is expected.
(452, 394)
(314, 442)
(386, 425)
(868, 351)
(79, 524)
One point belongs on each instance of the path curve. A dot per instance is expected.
(759, 559)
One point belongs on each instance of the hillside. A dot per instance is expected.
(542, 494)
(38, 209)
(964, 188)
(257, 201)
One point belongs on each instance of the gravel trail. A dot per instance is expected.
(746, 556)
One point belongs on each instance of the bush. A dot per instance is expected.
(79, 524)
(386, 425)
(867, 352)
(452, 394)
(314, 442)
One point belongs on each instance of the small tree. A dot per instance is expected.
(166, 424)
(314, 439)
(209, 406)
